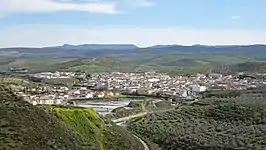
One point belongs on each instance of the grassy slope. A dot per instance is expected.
(23, 127)
(86, 123)
(18, 81)
(93, 131)
(33, 64)
(87, 65)
(103, 65)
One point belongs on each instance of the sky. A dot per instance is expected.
(39, 23)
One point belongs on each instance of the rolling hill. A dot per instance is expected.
(209, 124)
(245, 67)
(24, 126)
(176, 59)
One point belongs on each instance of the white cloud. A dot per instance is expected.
(10, 6)
(92, 6)
(56, 35)
(145, 3)
(235, 17)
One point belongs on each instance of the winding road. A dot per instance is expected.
(146, 147)
(139, 115)
(129, 117)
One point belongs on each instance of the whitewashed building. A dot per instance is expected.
(198, 88)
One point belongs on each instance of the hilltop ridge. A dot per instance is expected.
(98, 46)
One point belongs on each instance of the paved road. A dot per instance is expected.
(145, 113)
(139, 115)
(142, 142)
(130, 117)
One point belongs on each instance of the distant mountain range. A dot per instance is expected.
(132, 46)
(99, 46)
(129, 50)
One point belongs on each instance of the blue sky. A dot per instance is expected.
(141, 22)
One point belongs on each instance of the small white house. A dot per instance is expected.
(58, 101)
(34, 103)
(89, 95)
(198, 88)
(110, 94)
(77, 92)
(66, 96)
(154, 80)
(41, 102)
(49, 102)
(100, 95)
(184, 93)
(83, 88)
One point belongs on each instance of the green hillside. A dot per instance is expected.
(87, 65)
(172, 59)
(94, 133)
(173, 62)
(210, 124)
(25, 127)
(248, 67)
(102, 65)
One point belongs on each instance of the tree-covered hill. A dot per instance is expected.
(250, 67)
(27, 127)
(247, 67)
(210, 124)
